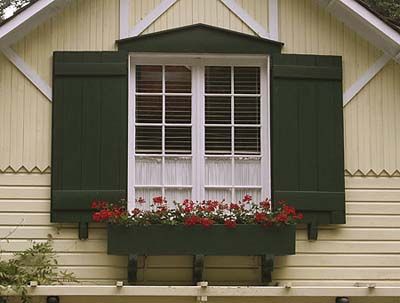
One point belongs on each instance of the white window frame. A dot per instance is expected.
(198, 62)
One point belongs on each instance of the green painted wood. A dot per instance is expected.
(307, 135)
(89, 149)
(197, 240)
(200, 38)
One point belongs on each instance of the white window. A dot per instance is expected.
(198, 128)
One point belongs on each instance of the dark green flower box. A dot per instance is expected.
(197, 240)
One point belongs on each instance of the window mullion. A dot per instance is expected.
(163, 135)
(201, 129)
(232, 135)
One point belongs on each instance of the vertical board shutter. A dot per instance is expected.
(307, 135)
(89, 148)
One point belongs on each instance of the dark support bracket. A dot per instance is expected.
(267, 267)
(342, 300)
(132, 269)
(312, 231)
(53, 299)
(3, 300)
(83, 230)
(198, 268)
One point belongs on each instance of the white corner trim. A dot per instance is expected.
(29, 73)
(357, 86)
(364, 13)
(151, 17)
(124, 11)
(246, 18)
(273, 16)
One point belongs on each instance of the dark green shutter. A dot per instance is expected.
(307, 135)
(89, 148)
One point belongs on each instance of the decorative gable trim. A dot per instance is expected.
(200, 38)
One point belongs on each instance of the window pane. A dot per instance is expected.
(178, 109)
(255, 193)
(218, 110)
(178, 140)
(148, 139)
(148, 78)
(218, 140)
(178, 79)
(218, 171)
(146, 195)
(148, 171)
(247, 171)
(218, 79)
(178, 171)
(247, 110)
(177, 194)
(148, 109)
(247, 80)
(247, 140)
(219, 194)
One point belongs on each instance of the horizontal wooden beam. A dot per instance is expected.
(215, 291)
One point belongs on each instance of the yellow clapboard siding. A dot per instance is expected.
(335, 247)
(350, 233)
(380, 208)
(372, 183)
(24, 205)
(54, 231)
(372, 195)
(32, 192)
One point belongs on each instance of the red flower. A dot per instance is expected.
(282, 217)
(299, 216)
(265, 204)
(289, 210)
(206, 222)
(94, 204)
(96, 217)
(159, 200)
(260, 217)
(141, 200)
(247, 198)
(192, 220)
(229, 223)
(136, 211)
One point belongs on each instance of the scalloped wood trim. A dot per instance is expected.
(24, 170)
(372, 173)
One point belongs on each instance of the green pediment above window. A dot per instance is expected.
(200, 38)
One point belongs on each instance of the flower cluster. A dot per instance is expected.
(204, 213)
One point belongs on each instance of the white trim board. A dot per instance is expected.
(246, 18)
(29, 73)
(273, 19)
(151, 17)
(369, 290)
(361, 82)
(124, 11)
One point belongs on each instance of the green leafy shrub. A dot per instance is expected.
(37, 263)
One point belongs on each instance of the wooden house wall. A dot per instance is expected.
(365, 249)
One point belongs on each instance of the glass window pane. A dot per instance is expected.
(148, 109)
(218, 171)
(178, 170)
(177, 194)
(218, 110)
(247, 110)
(148, 78)
(247, 140)
(178, 140)
(218, 140)
(255, 193)
(178, 109)
(247, 171)
(146, 195)
(219, 194)
(247, 80)
(218, 79)
(178, 79)
(148, 139)
(148, 170)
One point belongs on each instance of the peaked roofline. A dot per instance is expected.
(199, 26)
